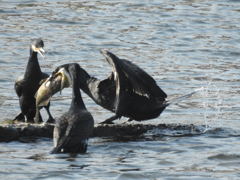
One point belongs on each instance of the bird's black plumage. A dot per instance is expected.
(129, 91)
(73, 128)
(137, 94)
(27, 86)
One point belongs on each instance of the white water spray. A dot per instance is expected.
(212, 104)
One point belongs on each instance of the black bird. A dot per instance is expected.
(72, 129)
(27, 86)
(137, 96)
(129, 91)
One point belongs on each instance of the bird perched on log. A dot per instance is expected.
(136, 94)
(73, 128)
(27, 86)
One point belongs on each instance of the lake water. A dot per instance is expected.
(184, 45)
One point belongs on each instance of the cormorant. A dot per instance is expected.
(73, 128)
(129, 91)
(136, 95)
(27, 86)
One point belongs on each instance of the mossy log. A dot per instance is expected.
(14, 132)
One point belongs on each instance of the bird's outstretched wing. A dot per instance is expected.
(131, 79)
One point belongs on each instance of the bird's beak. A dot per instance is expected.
(41, 51)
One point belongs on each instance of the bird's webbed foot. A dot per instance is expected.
(19, 117)
(110, 120)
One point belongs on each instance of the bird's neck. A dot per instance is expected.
(32, 66)
(77, 101)
(86, 83)
(85, 78)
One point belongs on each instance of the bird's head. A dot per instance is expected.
(63, 73)
(37, 46)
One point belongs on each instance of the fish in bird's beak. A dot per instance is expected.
(66, 78)
(53, 84)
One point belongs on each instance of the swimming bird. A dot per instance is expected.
(73, 128)
(27, 86)
(129, 91)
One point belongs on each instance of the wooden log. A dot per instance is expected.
(8, 134)
(14, 132)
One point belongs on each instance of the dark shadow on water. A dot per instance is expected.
(220, 132)
(38, 157)
(74, 166)
(224, 157)
(62, 21)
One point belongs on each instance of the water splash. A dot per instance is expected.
(212, 104)
(183, 97)
(210, 100)
(2, 100)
